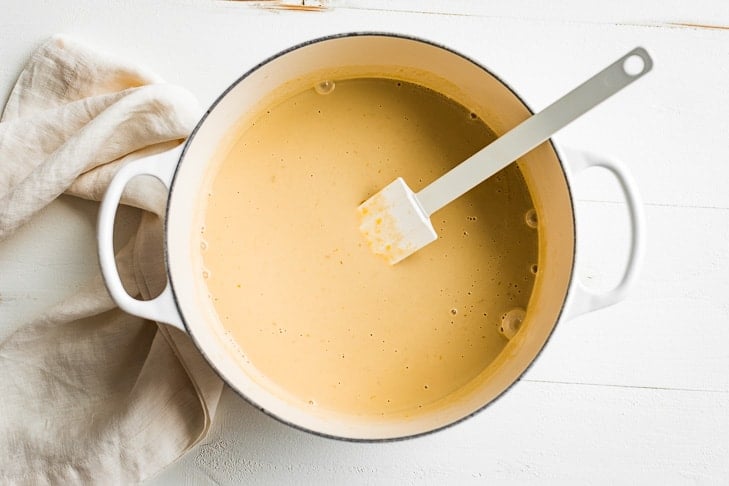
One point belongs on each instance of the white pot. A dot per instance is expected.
(557, 294)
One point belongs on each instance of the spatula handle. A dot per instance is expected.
(535, 130)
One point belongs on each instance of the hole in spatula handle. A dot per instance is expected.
(634, 65)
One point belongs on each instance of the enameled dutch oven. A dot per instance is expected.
(557, 295)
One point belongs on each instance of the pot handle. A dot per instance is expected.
(162, 308)
(582, 299)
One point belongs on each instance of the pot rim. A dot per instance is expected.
(190, 140)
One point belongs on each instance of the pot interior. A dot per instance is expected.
(356, 56)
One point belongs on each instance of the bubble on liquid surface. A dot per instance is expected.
(531, 218)
(203, 245)
(325, 87)
(511, 322)
(206, 274)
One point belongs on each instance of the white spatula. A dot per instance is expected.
(396, 221)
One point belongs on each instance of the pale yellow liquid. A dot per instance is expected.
(294, 284)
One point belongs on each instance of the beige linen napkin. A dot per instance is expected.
(89, 394)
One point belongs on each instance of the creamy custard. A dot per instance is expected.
(294, 284)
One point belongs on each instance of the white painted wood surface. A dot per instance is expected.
(638, 393)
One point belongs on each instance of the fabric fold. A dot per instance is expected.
(88, 393)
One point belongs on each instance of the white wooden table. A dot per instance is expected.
(638, 393)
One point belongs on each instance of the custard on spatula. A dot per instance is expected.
(396, 220)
